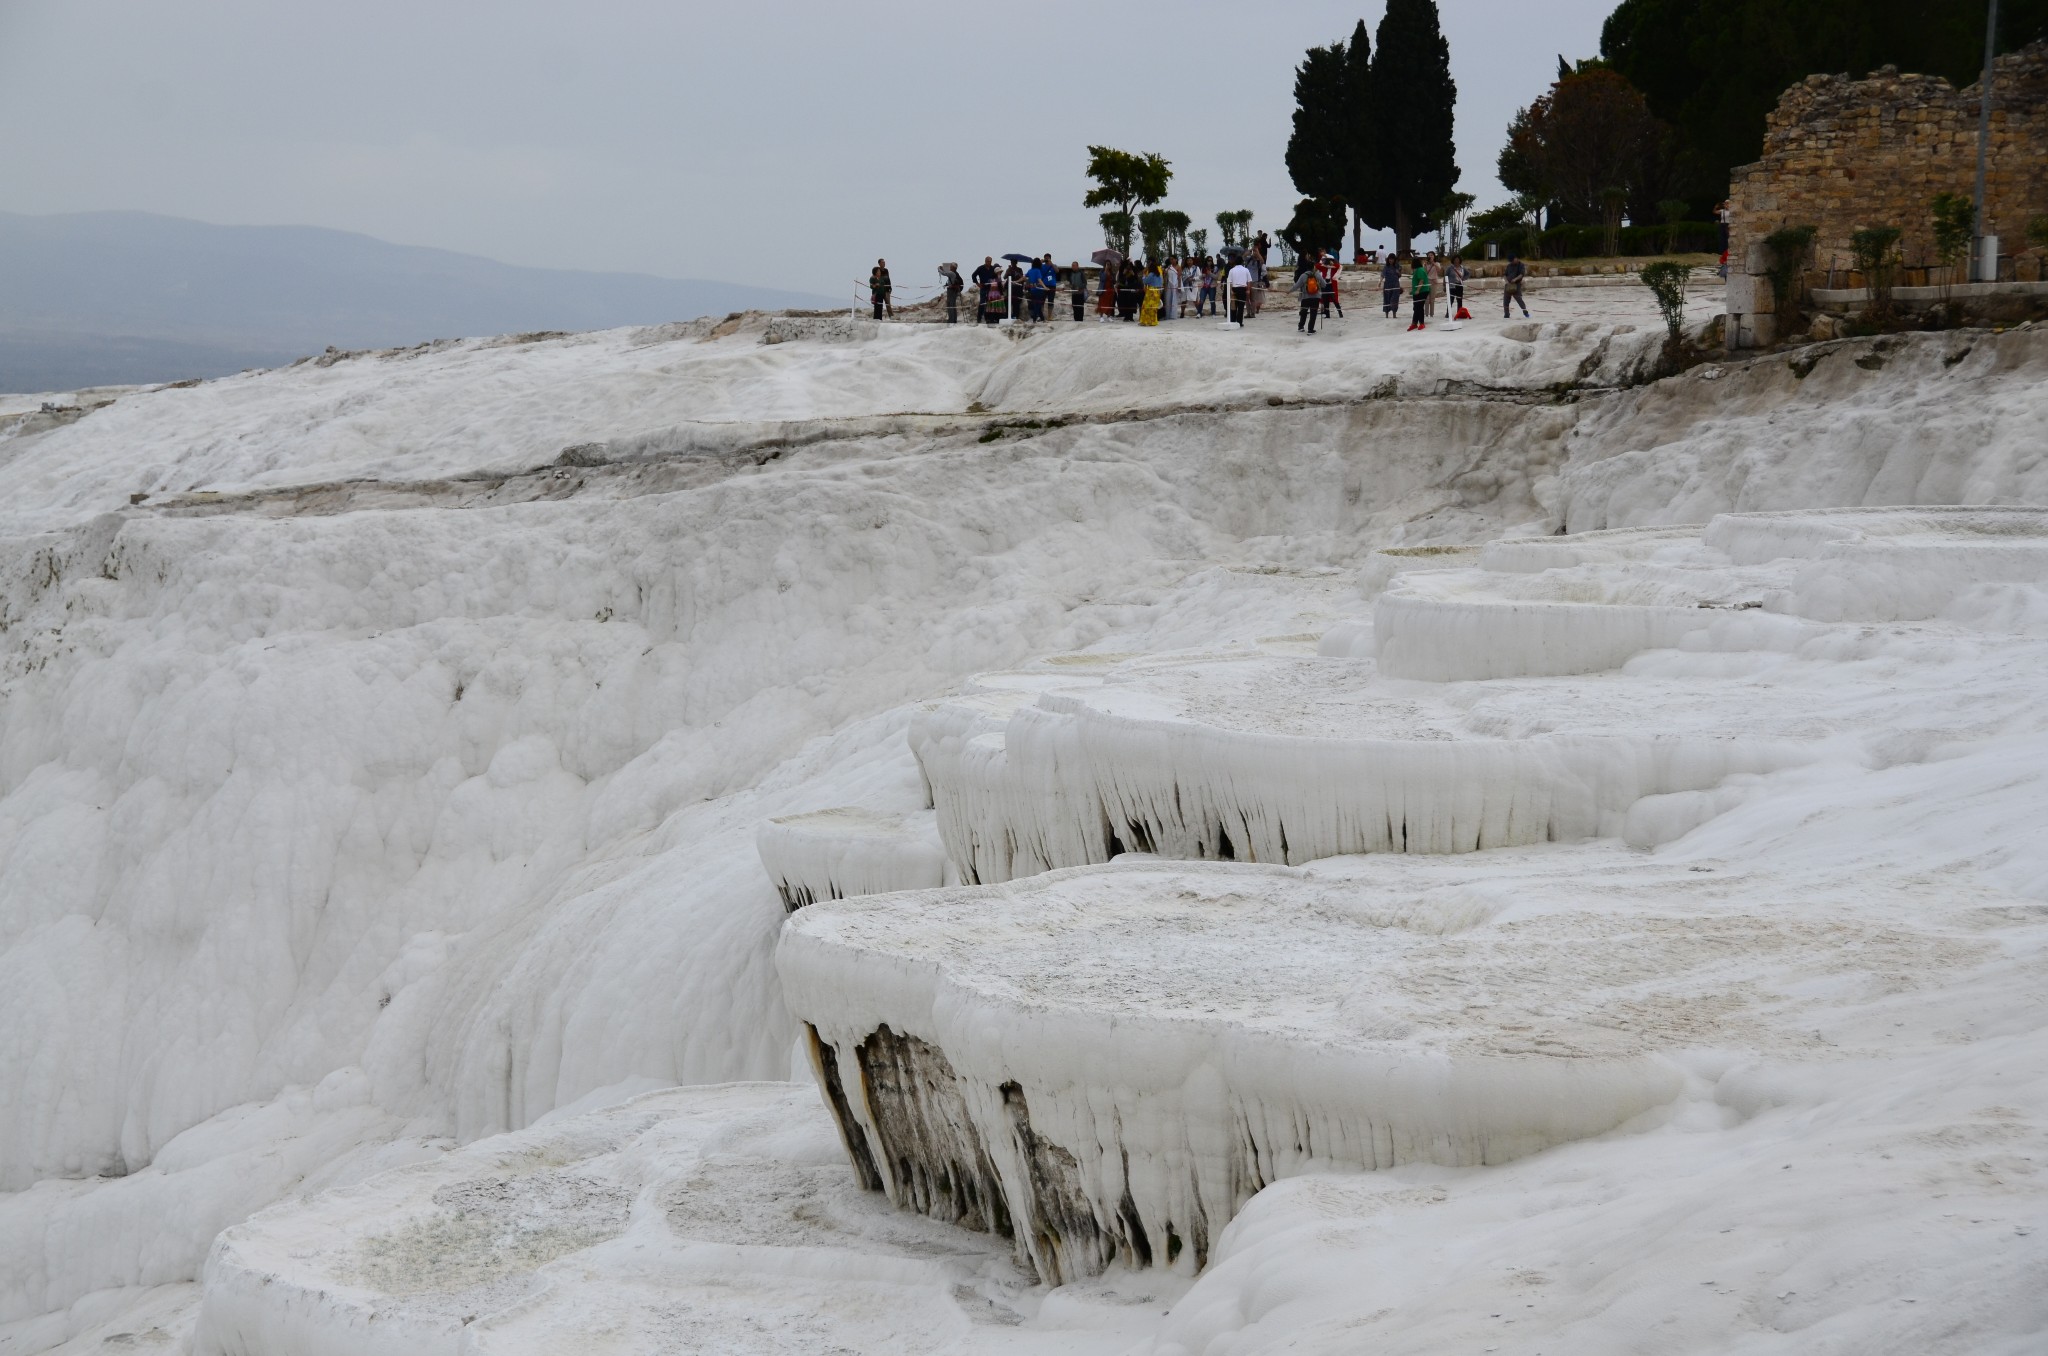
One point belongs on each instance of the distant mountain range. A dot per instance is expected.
(106, 298)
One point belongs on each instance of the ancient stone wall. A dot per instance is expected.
(1842, 154)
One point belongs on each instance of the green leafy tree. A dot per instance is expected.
(1117, 230)
(1414, 101)
(1126, 182)
(1672, 211)
(1451, 215)
(1714, 69)
(1235, 226)
(1613, 199)
(1164, 232)
(1589, 132)
(1198, 240)
(1955, 222)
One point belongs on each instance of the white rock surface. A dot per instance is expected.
(848, 851)
(712, 1219)
(409, 738)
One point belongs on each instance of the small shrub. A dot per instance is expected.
(1955, 221)
(1666, 280)
(1876, 252)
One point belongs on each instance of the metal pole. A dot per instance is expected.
(1985, 267)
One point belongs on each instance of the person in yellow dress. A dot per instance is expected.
(1148, 310)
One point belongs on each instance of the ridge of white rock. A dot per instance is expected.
(1278, 759)
(848, 851)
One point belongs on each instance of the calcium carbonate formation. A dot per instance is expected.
(1105, 1064)
(1448, 845)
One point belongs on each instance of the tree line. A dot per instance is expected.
(1682, 89)
(1649, 130)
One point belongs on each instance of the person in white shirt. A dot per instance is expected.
(1240, 290)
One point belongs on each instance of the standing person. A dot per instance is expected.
(1205, 300)
(1035, 290)
(1169, 304)
(1078, 280)
(1511, 287)
(982, 278)
(1148, 309)
(1105, 293)
(1418, 287)
(1308, 287)
(1128, 289)
(1240, 283)
(879, 288)
(1390, 287)
(1454, 278)
(1328, 271)
(1436, 281)
(955, 285)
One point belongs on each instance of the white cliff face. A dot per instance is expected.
(393, 771)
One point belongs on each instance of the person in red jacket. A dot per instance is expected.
(1327, 271)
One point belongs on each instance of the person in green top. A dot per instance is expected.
(1418, 287)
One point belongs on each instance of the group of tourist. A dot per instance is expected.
(1145, 292)
(1148, 292)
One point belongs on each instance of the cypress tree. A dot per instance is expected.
(1332, 152)
(1413, 99)
(1361, 144)
(1315, 149)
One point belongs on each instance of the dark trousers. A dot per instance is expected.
(1390, 300)
(1080, 307)
(1421, 307)
(1511, 295)
(878, 308)
(1237, 300)
(952, 308)
(1309, 307)
(1331, 303)
(1036, 301)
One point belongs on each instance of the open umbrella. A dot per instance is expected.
(1105, 257)
(1232, 252)
(1022, 258)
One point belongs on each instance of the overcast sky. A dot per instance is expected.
(785, 142)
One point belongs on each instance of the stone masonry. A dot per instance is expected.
(1842, 154)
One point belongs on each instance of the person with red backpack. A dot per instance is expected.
(1328, 270)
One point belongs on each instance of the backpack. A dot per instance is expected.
(1314, 285)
